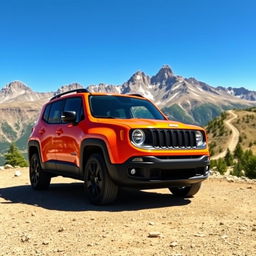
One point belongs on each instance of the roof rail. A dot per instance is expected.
(61, 94)
(136, 94)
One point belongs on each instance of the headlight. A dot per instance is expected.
(138, 137)
(199, 139)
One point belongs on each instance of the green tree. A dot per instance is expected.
(246, 156)
(228, 158)
(213, 163)
(238, 153)
(238, 170)
(250, 167)
(14, 157)
(221, 166)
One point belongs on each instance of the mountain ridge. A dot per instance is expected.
(183, 99)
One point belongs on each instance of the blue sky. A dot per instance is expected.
(50, 43)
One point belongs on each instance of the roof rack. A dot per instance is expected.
(136, 94)
(61, 94)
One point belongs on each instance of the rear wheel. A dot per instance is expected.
(100, 188)
(186, 191)
(38, 178)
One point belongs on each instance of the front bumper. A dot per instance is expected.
(161, 171)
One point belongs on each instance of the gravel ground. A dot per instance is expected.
(219, 220)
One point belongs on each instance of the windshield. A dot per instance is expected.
(107, 106)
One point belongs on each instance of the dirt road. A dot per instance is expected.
(219, 220)
(233, 138)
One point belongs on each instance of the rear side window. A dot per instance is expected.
(46, 112)
(55, 112)
(75, 104)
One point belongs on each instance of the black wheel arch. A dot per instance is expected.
(34, 147)
(91, 146)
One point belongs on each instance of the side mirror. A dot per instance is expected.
(69, 117)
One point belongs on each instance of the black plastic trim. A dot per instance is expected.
(35, 143)
(93, 143)
(119, 172)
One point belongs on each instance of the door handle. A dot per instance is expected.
(59, 131)
(42, 131)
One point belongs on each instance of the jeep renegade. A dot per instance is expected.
(112, 140)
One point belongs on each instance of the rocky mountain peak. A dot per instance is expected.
(13, 90)
(14, 87)
(163, 75)
(69, 87)
(139, 77)
(166, 68)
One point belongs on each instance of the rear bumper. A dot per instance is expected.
(157, 172)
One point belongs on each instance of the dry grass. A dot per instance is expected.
(246, 125)
(218, 140)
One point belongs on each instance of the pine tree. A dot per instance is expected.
(250, 167)
(238, 153)
(221, 166)
(228, 158)
(238, 170)
(14, 157)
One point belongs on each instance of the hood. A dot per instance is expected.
(148, 123)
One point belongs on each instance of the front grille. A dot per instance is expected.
(172, 138)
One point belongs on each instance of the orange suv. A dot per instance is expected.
(112, 140)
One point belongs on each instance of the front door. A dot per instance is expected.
(68, 137)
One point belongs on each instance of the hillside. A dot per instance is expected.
(219, 134)
(16, 122)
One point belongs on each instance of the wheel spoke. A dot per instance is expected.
(35, 175)
(94, 179)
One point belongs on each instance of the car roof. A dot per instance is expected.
(82, 91)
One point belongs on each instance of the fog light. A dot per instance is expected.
(137, 159)
(132, 171)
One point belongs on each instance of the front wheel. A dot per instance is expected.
(38, 178)
(186, 191)
(98, 185)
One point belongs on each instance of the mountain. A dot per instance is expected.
(182, 99)
(68, 87)
(18, 92)
(241, 92)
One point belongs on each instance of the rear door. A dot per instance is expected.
(45, 135)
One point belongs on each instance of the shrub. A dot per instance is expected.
(250, 167)
(238, 170)
(14, 157)
(221, 166)
(238, 153)
(228, 158)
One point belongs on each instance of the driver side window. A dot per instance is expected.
(75, 104)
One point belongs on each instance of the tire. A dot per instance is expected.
(38, 178)
(98, 185)
(186, 191)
